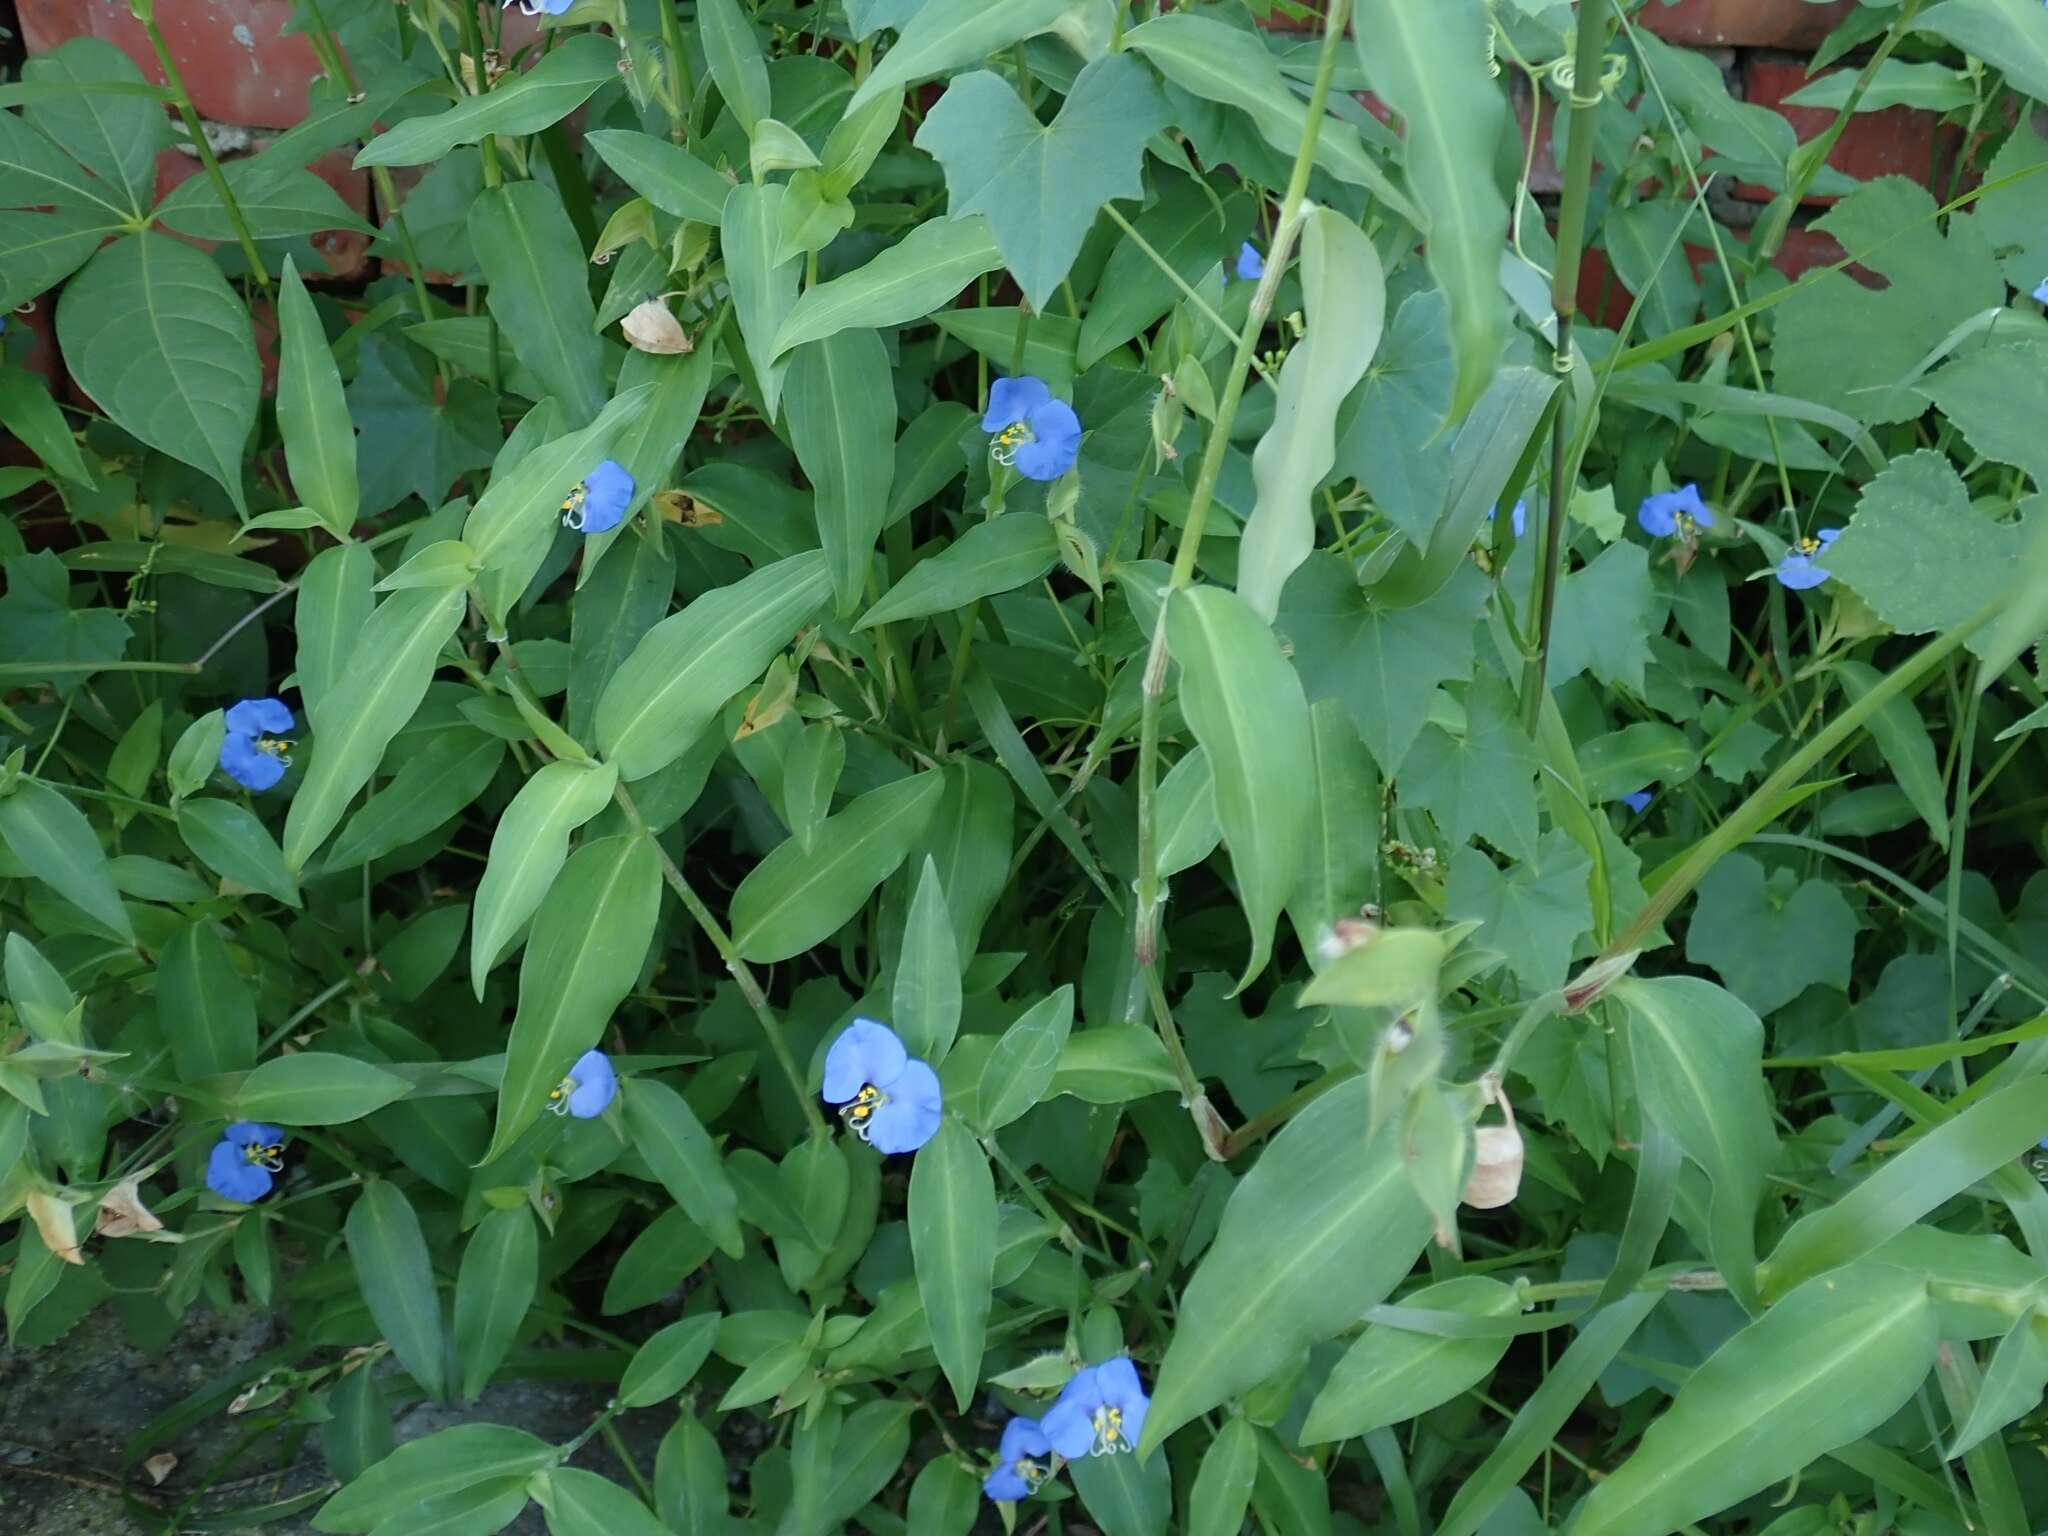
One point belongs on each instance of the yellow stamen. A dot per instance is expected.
(1032, 1473)
(558, 1096)
(1109, 1432)
(1806, 546)
(572, 508)
(859, 1111)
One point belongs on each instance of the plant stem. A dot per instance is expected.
(750, 988)
(1145, 939)
(1200, 304)
(680, 85)
(1564, 303)
(183, 97)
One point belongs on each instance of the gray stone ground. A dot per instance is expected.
(68, 1411)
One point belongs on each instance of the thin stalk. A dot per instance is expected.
(1145, 939)
(1564, 303)
(680, 85)
(1201, 305)
(750, 987)
(146, 13)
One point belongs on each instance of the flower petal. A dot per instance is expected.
(1056, 439)
(865, 1052)
(230, 1174)
(1249, 262)
(253, 1133)
(1070, 1427)
(596, 1085)
(1638, 801)
(1022, 1437)
(607, 492)
(1800, 573)
(1011, 400)
(1117, 1380)
(247, 764)
(260, 717)
(911, 1116)
(1004, 1486)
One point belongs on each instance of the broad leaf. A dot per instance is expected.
(397, 1280)
(316, 1088)
(1392, 1375)
(943, 35)
(52, 838)
(997, 555)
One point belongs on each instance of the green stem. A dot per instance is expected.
(146, 13)
(680, 85)
(1032, 1193)
(750, 988)
(1145, 939)
(1200, 305)
(1564, 303)
(616, 1441)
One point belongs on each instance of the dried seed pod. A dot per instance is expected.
(651, 328)
(1496, 1176)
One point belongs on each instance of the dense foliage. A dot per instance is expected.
(970, 743)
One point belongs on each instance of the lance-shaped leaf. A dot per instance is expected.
(763, 284)
(945, 34)
(528, 848)
(493, 1291)
(533, 259)
(842, 423)
(676, 1146)
(1246, 707)
(560, 83)
(917, 275)
(397, 1281)
(994, 556)
(590, 938)
(51, 836)
(953, 1244)
(312, 416)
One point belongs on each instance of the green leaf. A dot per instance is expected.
(667, 1363)
(315, 1088)
(1123, 1495)
(533, 260)
(151, 330)
(1020, 1070)
(39, 250)
(109, 126)
(589, 941)
(35, 173)
(528, 847)
(945, 1500)
(2013, 214)
(842, 424)
(397, 1281)
(1534, 913)
(493, 1292)
(673, 686)
(49, 835)
(1988, 393)
(334, 603)
(1223, 1483)
(953, 1242)
(359, 1433)
(1699, 1071)
(1041, 185)
(734, 54)
(1824, 1367)
(926, 996)
(1112, 1064)
(27, 411)
(794, 899)
(453, 769)
(274, 205)
(580, 1503)
(1932, 1171)
(1246, 707)
(666, 174)
(656, 1262)
(437, 1464)
(566, 77)
(1481, 782)
(1934, 283)
(1428, 61)
(1341, 871)
(2012, 1384)
(1901, 739)
(763, 283)
(650, 446)
(1322, 1227)
(37, 619)
(674, 1143)
(1190, 232)
(996, 555)
(389, 668)
(424, 440)
(1188, 828)
(1392, 1375)
(1918, 552)
(920, 273)
(689, 1480)
(204, 1008)
(228, 838)
(943, 35)
(1220, 63)
(1624, 761)
(1769, 940)
(623, 599)
(443, 563)
(2009, 35)
(1345, 294)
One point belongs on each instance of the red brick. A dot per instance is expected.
(1744, 23)
(1899, 141)
(1604, 300)
(345, 250)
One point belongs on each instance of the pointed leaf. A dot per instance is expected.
(842, 423)
(675, 1145)
(566, 77)
(1020, 1070)
(397, 1280)
(493, 1292)
(945, 34)
(953, 1243)
(919, 274)
(927, 992)
(204, 1008)
(528, 847)
(994, 556)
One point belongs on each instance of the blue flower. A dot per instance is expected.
(1099, 1413)
(1018, 1468)
(542, 7)
(245, 1161)
(589, 1087)
(1678, 512)
(1038, 434)
(599, 502)
(1797, 569)
(1519, 517)
(254, 753)
(888, 1098)
(1637, 801)
(1249, 262)
(2041, 293)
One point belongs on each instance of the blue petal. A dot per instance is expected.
(253, 1133)
(607, 492)
(1011, 400)
(1056, 438)
(1022, 1437)
(1656, 517)
(1828, 536)
(911, 1117)
(260, 717)
(1004, 1486)
(2041, 293)
(866, 1052)
(247, 764)
(596, 1085)
(1637, 801)
(1069, 1424)
(1520, 518)
(1249, 262)
(1117, 1381)
(1800, 573)
(232, 1175)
